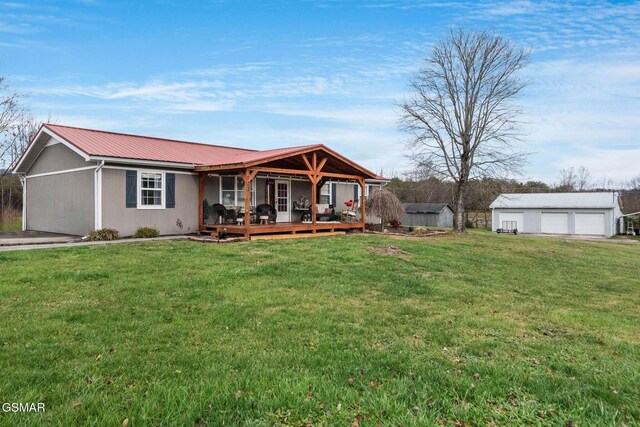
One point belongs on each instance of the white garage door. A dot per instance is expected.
(590, 223)
(508, 217)
(555, 223)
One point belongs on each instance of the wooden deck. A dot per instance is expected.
(282, 228)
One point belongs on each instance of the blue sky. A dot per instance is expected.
(264, 74)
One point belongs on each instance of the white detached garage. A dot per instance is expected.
(557, 213)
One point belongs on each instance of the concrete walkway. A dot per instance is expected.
(53, 245)
(12, 238)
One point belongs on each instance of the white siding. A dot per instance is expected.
(533, 220)
(518, 217)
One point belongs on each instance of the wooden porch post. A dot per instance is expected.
(312, 178)
(201, 177)
(362, 204)
(247, 176)
(247, 202)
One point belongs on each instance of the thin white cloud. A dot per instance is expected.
(605, 164)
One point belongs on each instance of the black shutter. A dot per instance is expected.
(131, 189)
(171, 190)
(355, 192)
(334, 190)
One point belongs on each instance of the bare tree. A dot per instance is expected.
(11, 111)
(572, 179)
(631, 196)
(460, 116)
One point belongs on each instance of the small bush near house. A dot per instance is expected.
(103, 234)
(145, 232)
(395, 223)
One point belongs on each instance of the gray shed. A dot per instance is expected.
(427, 214)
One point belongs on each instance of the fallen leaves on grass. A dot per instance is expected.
(238, 394)
(75, 405)
(125, 422)
(374, 384)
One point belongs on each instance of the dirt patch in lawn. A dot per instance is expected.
(388, 251)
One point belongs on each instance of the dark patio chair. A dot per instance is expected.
(218, 211)
(328, 215)
(268, 210)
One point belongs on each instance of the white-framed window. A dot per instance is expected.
(325, 194)
(370, 188)
(151, 187)
(232, 191)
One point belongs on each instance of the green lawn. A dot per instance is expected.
(462, 330)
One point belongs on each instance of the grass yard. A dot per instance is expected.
(457, 330)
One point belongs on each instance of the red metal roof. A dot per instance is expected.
(97, 143)
(110, 144)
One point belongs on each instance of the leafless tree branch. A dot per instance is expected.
(460, 117)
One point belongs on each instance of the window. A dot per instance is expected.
(325, 194)
(232, 191)
(370, 189)
(151, 194)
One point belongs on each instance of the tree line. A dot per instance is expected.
(17, 126)
(421, 187)
(463, 124)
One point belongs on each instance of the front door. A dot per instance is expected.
(282, 201)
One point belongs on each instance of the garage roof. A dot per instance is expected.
(600, 200)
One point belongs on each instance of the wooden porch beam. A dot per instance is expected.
(314, 208)
(340, 175)
(252, 174)
(362, 204)
(201, 178)
(306, 161)
(247, 177)
(322, 163)
(259, 169)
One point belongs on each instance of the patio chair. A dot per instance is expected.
(221, 214)
(267, 210)
(329, 214)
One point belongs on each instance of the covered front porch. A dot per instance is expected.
(287, 191)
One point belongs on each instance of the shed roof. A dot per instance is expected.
(418, 208)
(599, 200)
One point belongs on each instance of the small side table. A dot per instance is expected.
(240, 220)
(264, 219)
